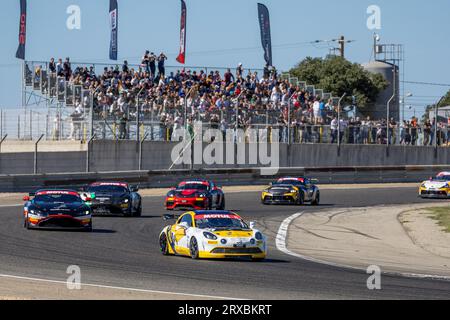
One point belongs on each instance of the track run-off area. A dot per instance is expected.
(122, 257)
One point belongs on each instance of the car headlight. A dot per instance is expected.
(223, 241)
(35, 212)
(258, 236)
(252, 241)
(201, 195)
(87, 212)
(126, 200)
(209, 235)
(293, 191)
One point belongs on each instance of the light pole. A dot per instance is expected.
(237, 117)
(403, 102)
(289, 119)
(185, 113)
(138, 116)
(339, 120)
(91, 111)
(387, 118)
(436, 116)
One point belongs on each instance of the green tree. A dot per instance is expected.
(339, 76)
(445, 102)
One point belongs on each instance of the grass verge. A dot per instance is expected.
(441, 215)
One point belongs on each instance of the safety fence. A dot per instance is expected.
(59, 124)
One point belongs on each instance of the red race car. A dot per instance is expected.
(195, 194)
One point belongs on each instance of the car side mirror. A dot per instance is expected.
(26, 198)
(252, 224)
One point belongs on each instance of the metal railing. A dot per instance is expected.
(158, 124)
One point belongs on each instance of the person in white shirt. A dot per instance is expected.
(56, 126)
(75, 124)
(334, 130)
(316, 112)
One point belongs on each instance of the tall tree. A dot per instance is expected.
(337, 75)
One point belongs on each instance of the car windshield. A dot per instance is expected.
(282, 186)
(57, 198)
(193, 186)
(294, 182)
(107, 189)
(220, 223)
(442, 178)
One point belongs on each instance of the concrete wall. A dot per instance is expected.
(225, 177)
(124, 156)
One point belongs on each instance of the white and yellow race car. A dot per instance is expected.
(212, 234)
(436, 188)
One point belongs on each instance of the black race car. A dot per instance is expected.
(291, 191)
(114, 198)
(56, 209)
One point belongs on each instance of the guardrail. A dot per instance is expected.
(225, 177)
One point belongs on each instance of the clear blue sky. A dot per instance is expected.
(422, 26)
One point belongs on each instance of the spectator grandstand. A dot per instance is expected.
(146, 96)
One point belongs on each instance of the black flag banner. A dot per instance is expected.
(113, 18)
(20, 54)
(182, 56)
(264, 24)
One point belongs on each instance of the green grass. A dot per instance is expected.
(441, 215)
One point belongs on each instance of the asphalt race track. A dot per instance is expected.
(124, 252)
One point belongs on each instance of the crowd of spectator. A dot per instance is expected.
(262, 100)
